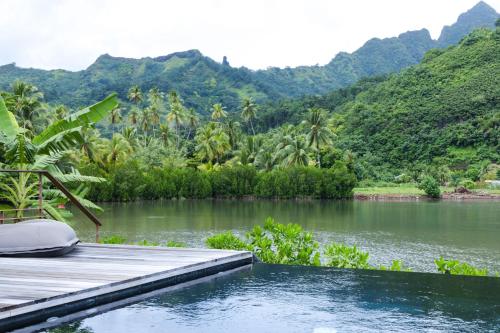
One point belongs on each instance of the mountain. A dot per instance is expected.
(479, 16)
(202, 81)
(443, 112)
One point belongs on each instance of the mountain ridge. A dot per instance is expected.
(203, 81)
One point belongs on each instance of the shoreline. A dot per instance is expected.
(447, 196)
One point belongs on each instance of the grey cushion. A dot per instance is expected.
(39, 237)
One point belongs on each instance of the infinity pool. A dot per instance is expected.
(275, 298)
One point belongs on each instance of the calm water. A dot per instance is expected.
(416, 232)
(274, 298)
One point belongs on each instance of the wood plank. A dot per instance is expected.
(101, 273)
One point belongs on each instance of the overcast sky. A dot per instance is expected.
(71, 34)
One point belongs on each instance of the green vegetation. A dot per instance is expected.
(204, 82)
(434, 124)
(343, 256)
(430, 186)
(289, 244)
(456, 267)
(116, 239)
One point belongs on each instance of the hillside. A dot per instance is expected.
(443, 112)
(202, 81)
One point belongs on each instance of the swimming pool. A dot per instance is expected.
(276, 298)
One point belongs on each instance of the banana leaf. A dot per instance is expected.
(82, 118)
(8, 123)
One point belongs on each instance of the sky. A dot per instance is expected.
(257, 34)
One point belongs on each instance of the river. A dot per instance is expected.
(416, 232)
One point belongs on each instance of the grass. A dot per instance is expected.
(408, 189)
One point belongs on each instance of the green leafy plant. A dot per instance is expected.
(277, 243)
(343, 256)
(172, 243)
(145, 242)
(396, 266)
(114, 239)
(226, 241)
(455, 267)
(430, 186)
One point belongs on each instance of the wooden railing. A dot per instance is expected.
(40, 211)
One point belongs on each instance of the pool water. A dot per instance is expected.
(276, 298)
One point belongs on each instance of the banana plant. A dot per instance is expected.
(44, 152)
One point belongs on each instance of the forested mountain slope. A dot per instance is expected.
(444, 111)
(202, 81)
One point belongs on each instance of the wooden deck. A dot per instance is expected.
(35, 289)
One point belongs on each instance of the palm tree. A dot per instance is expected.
(166, 135)
(249, 112)
(218, 112)
(212, 143)
(192, 121)
(232, 129)
(89, 143)
(133, 117)
(25, 102)
(294, 153)
(135, 95)
(155, 117)
(61, 111)
(130, 134)
(115, 117)
(177, 113)
(145, 121)
(117, 149)
(155, 96)
(319, 134)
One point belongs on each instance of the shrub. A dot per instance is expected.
(126, 181)
(338, 182)
(343, 256)
(396, 266)
(192, 183)
(114, 239)
(159, 184)
(145, 242)
(235, 181)
(226, 241)
(276, 243)
(430, 186)
(468, 184)
(172, 243)
(455, 267)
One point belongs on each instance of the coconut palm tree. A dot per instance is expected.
(154, 112)
(249, 112)
(177, 113)
(115, 117)
(192, 121)
(130, 134)
(117, 150)
(133, 117)
(166, 135)
(232, 129)
(212, 143)
(135, 95)
(155, 96)
(61, 112)
(218, 112)
(318, 132)
(145, 121)
(294, 153)
(25, 102)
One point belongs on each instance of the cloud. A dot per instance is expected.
(71, 34)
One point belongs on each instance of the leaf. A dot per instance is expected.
(8, 123)
(85, 117)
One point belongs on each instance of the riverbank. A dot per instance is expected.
(409, 193)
